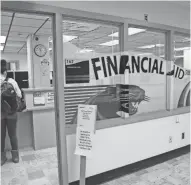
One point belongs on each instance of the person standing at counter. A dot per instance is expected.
(8, 118)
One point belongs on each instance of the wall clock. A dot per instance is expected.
(40, 50)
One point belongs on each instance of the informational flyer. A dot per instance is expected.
(85, 129)
(39, 98)
(50, 97)
(77, 71)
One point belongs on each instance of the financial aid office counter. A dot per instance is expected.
(36, 124)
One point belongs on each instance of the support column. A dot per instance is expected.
(59, 98)
(38, 61)
(169, 56)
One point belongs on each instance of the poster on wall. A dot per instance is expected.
(77, 71)
(38, 98)
(50, 97)
(85, 130)
(123, 85)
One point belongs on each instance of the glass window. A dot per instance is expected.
(182, 52)
(145, 41)
(83, 41)
(150, 83)
(182, 58)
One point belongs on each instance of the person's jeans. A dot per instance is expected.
(9, 123)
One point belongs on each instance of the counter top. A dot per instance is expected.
(38, 89)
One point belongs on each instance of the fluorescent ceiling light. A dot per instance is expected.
(2, 39)
(116, 34)
(110, 43)
(181, 56)
(145, 54)
(1, 48)
(85, 50)
(180, 49)
(186, 39)
(151, 46)
(131, 31)
(67, 38)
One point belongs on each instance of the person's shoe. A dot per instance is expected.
(15, 156)
(3, 158)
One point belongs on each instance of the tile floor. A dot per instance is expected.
(40, 168)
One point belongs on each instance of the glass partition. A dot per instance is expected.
(149, 47)
(182, 52)
(146, 41)
(83, 41)
(182, 67)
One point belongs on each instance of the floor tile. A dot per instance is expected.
(41, 168)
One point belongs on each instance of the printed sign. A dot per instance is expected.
(127, 84)
(85, 129)
(77, 71)
(44, 67)
(50, 97)
(39, 98)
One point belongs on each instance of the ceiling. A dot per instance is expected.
(16, 27)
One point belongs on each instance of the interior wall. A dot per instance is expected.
(164, 12)
(119, 146)
(21, 57)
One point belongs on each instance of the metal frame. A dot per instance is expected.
(57, 14)
(59, 99)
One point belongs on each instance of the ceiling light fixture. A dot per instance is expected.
(180, 56)
(110, 43)
(131, 31)
(181, 49)
(68, 38)
(1, 48)
(85, 50)
(2, 39)
(145, 54)
(151, 46)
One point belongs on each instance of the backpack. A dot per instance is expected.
(10, 102)
(22, 102)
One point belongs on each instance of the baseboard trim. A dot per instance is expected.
(119, 172)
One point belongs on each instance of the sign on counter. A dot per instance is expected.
(39, 98)
(85, 132)
(50, 98)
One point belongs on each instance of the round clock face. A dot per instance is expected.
(40, 50)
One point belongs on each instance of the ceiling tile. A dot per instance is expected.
(27, 22)
(24, 29)
(15, 43)
(3, 13)
(14, 49)
(17, 34)
(44, 31)
(6, 20)
(47, 25)
(31, 16)
(17, 38)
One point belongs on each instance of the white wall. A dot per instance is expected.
(119, 146)
(21, 57)
(163, 12)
